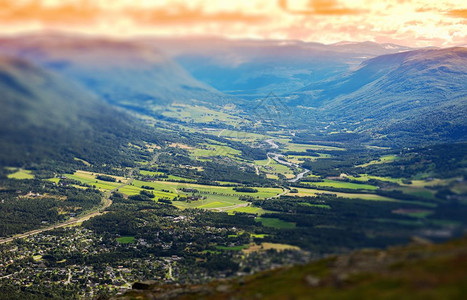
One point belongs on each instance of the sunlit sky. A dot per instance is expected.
(406, 22)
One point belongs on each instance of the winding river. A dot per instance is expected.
(278, 158)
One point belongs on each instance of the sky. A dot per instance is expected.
(415, 23)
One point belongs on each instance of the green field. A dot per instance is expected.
(126, 239)
(150, 173)
(271, 167)
(208, 150)
(382, 160)
(275, 223)
(233, 248)
(304, 147)
(88, 178)
(366, 177)
(20, 174)
(248, 210)
(363, 196)
(342, 185)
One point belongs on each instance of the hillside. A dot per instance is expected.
(409, 93)
(44, 116)
(253, 69)
(418, 271)
(124, 73)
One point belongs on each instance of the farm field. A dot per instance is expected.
(247, 209)
(150, 173)
(268, 246)
(382, 160)
(289, 146)
(20, 174)
(271, 167)
(90, 179)
(366, 177)
(342, 185)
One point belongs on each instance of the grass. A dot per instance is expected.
(233, 248)
(87, 178)
(259, 235)
(248, 210)
(82, 161)
(304, 147)
(150, 173)
(366, 177)
(20, 174)
(269, 246)
(208, 150)
(272, 168)
(365, 196)
(275, 223)
(343, 185)
(382, 160)
(126, 239)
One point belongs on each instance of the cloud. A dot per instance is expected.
(320, 7)
(34, 10)
(326, 21)
(458, 13)
(180, 14)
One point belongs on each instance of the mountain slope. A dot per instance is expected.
(124, 73)
(421, 271)
(253, 69)
(398, 92)
(45, 117)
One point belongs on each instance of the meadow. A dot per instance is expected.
(342, 185)
(20, 174)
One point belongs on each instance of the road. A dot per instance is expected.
(106, 202)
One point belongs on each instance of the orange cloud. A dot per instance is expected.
(321, 7)
(182, 15)
(413, 22)
(35, 11)
(458, 13)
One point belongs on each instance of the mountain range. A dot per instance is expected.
(251, 69)
(54, 82)
(417, 93)
(123, 73)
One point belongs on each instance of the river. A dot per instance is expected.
(277, 157)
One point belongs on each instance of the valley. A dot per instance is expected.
(129, 167)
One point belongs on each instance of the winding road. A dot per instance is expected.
(106, 202)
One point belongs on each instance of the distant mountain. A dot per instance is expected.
(124, 73)
(253, 68)
(421, 92)
(45, 117)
